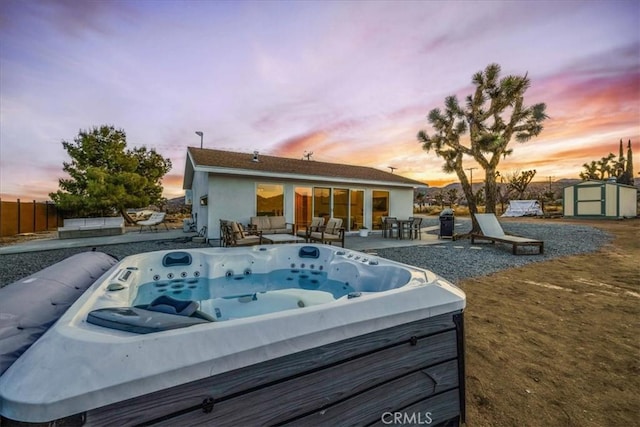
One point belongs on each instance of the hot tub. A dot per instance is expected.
(303, 334)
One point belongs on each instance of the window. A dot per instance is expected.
(269, 200)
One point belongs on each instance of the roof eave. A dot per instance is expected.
(189, 169)
(302, 177)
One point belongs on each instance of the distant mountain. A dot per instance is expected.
(177, 205)
(534, 187)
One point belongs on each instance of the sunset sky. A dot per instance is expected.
(351, 81)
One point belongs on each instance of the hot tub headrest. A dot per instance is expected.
(309, 252)
(166, 304)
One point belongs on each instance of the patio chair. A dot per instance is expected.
(492, 231)
(154, 220)
(313, 226)
(390, 223)
(331, 232)
(232, 234)
(415, 228)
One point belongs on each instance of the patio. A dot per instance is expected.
(354, 241)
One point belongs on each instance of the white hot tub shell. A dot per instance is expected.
(305, 334)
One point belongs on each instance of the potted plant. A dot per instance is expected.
(364, 231)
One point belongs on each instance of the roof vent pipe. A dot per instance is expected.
(255, 156)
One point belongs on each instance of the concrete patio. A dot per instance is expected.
(355, 242)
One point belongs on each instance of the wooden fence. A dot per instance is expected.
(27, 217)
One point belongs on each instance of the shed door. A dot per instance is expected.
(589, 200)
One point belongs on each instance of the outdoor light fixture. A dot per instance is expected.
(201, 134)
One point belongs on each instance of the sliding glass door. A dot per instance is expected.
(357, 209)
(303, 206)
(322, 202)
(341, 206)
(379, 207)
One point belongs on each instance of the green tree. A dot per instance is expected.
(519, 181)
(590, 171)
(492, 116)
(609, 167)
(105, 177)
(626, 176)
(479, 196)
(439, 198)
(452, 196)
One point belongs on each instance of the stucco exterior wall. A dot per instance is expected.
(234, 198)
(230, 198)
(199, 189)
(401, 203)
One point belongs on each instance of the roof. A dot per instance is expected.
(594, 182)
(229, 162)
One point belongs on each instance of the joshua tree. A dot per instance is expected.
(492, 116)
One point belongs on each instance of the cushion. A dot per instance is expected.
(238, 233)
(333, 225)
(316, 222)
(277, 222)
(261, 222)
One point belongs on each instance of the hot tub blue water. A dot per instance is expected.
(244, 295)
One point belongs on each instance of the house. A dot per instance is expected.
(236, 186)
(600, 199)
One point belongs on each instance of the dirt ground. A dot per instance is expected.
(558, 343)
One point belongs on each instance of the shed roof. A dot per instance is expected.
(220, 161)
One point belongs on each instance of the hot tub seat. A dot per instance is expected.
(139, 320)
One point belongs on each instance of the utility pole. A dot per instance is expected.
(471, 179)
(308, 155)
(392, 168)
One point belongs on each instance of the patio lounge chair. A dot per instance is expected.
(154, 220)
(492, 230)
(313, 226)
(332, 231)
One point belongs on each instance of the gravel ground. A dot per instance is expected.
(454, 261)
(459, 259)
(16, 266)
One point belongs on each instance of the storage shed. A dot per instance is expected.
(605, 199)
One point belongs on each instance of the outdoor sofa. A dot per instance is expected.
(91, 227)
(270, 225)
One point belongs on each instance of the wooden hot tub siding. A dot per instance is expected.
(413, 368)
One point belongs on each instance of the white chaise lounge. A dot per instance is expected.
(492, 231)
(154, 220)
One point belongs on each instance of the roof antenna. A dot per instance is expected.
(308, 154)
(392, 168)
(255, 156)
